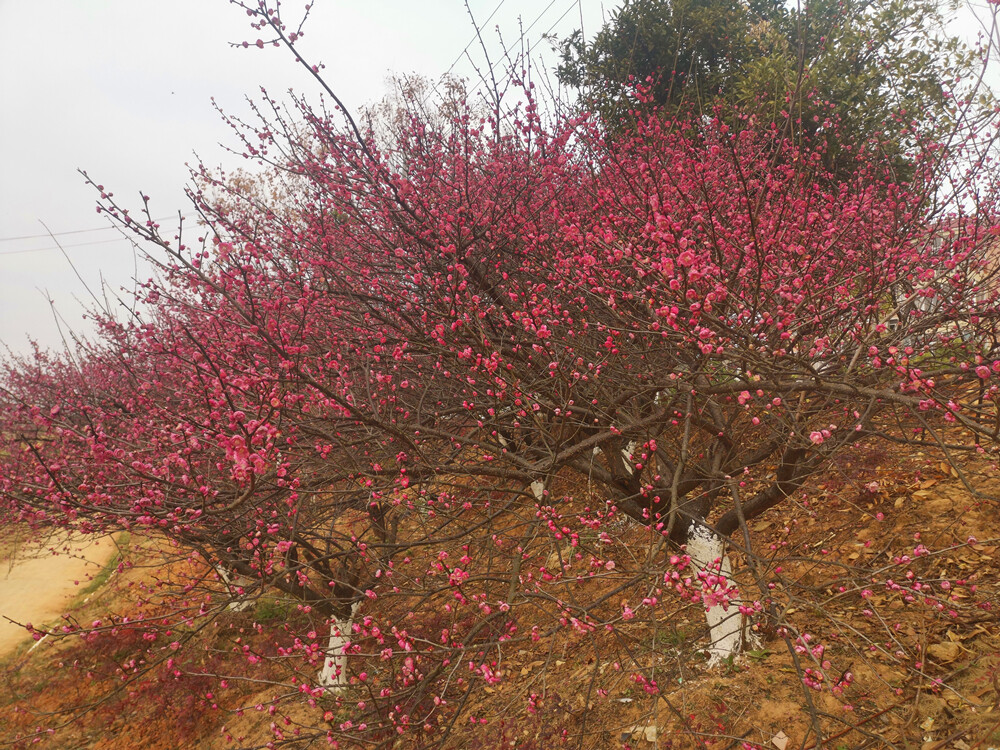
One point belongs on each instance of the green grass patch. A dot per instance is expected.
(122, 542)
(270, 609)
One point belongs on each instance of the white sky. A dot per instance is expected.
(122, 88)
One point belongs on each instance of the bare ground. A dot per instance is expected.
(39, 581)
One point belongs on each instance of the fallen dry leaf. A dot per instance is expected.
(642, 731)
(945, 652)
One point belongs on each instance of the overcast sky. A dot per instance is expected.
(123, 88)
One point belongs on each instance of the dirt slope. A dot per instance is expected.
(37, 584)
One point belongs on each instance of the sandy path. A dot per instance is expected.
(37, 585)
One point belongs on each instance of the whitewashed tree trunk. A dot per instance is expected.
(333, 675)
(538, 489)
(725, 622)
(234, 582)
(627, 453)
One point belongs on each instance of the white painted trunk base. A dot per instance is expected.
(234, 581)
(333, 675)
(725, 622)
(627, 454)
(538, 490)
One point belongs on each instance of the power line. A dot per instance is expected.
(56, 247)
(461, 54)
(539, 18)
(474, 38)
(531, 46)
(77, 244)
(72, 231)
(478, 36)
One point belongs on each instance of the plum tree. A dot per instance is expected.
(506, 380)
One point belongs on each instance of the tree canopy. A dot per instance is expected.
(480, 384)
(885, 70)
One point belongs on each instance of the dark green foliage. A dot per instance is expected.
(877, 73)
(693, 50)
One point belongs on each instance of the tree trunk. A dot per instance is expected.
(333, 676)
(237, 588)
(721, 598)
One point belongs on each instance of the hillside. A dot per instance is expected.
(904, 674)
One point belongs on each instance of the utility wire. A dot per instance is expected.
(78, 244)
(72, 231)
(508, 75)
(434, 87)
(473, 40)
(56, 247)
(476, 37)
